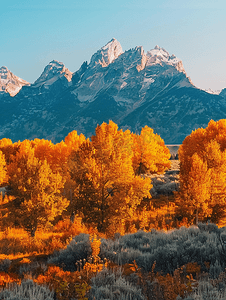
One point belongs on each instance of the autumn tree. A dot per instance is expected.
(73, 140)
(9, 149)
(196, 191)
(43, 149)
(57, 155)
(149, 152)
(203, 172)
(106, 188)
(3, 173)
(3, 179)
(37, 190)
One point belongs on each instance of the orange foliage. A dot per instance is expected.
(38, 191)
(16, 243)
(9, 149)
(69, 228)
(95, 245)
(53, 274)
(149, 152)
(106, 187)
(170, 286)
(98, 177)
(3, 173)
(92, 268)
(6, 278)
(165, 286)
(73, 140)
(65, 284)
(203, 173)
(43, 150)
(97, 265)
(159, 216)
(193, 268)
(128, 269)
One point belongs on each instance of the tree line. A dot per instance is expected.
(98, 178)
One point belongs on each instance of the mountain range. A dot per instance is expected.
(132, 88)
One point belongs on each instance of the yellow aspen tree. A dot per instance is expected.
(198, 187)
(43, 149)
(150, 153)
(63, 151)
(8, 149)
(216, 160)
(106, 186)
(3, 172)
(209, 145)
(37, 190)
(73, 140)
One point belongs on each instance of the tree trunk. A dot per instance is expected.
(102, 213)
(33, 229)
(197, 216)
(72, 217)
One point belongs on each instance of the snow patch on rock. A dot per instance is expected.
(52, 72)
(106, 54)
(10, 83)
(160, 55)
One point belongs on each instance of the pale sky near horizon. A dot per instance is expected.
(33, 33)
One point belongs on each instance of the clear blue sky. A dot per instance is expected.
(35, 32)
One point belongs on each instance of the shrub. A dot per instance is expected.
(78, 249)
(215, 270)
(112, 285)
(170, 250)
(67, 285)
(7, 278)
(5, 264)
(28, 290)
(206, 291)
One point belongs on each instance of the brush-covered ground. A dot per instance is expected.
(73, 262)
(70, 261)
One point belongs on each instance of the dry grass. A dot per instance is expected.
(175, 165)
(17, 243)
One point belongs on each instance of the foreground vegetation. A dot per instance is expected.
(184, 263)
(78, 220)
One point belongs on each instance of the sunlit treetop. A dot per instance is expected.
(149, 152)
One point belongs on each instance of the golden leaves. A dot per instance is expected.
(149, 152)
(101, 176)
(3, 172)
(103, 170)
(203, 169)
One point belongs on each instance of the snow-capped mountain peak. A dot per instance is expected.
(159, 55)
(106, 54)
(10, 83)
(133, 88)
(52, 72)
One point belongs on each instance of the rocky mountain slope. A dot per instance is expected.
(132, 88)
(9, 83)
